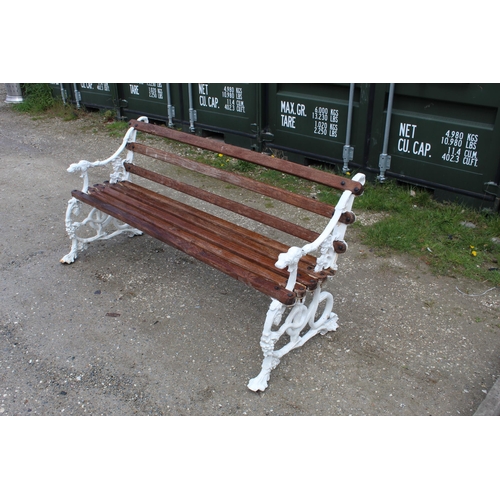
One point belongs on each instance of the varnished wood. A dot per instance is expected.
(257, 278)
(233, 206)
(245, 237)
(211, 233)
(325, 178)
(237, 180)
(248, 243)
(239, 252)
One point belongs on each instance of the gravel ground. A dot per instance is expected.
(134, 327)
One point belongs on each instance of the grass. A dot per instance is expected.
(414, 223)
(115, 128)
(452, 239)
(37, 98)
(40, 104)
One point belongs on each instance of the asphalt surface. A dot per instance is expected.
(134, 327)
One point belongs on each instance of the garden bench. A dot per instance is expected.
(291, 276)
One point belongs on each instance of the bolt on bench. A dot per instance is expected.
(291, 276)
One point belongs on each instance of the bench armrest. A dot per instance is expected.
(119, 172)
(334, 231)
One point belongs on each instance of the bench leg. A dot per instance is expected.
(96, 220)
(301, 324)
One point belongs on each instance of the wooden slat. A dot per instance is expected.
(285, 166)
(211, 235)
(246, 239)
(257, 280)
(198, 217)
(233, 206)
(236, 179)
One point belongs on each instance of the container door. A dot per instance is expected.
(444, 136)
(157, 101)
(309, 121)
(63, 91)
(97, 96)
(229, 110)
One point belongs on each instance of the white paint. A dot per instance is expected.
(96, 219)
(462, 148)
(300, 324)
(407, 130)
(407, 142)
(325, 121)
(231, 98)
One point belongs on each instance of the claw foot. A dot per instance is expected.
(259, 383)
(68, 259)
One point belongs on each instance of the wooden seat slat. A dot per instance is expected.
(253, 240)
(260, 279)
(233, 242)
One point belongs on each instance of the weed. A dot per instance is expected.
(39, 102)
(116, 129)
(109, 115)
(435, 232)
(242, 166)
(37, 98)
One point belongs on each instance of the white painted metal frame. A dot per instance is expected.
(301, 316)
(96, 219)
(309, 316)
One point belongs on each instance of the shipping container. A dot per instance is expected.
(158, 101)
(442, 136)
(231, 111)
(98, 96)
(313, 122)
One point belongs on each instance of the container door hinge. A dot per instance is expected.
(384, 163)
(493, 189)
(267, 136)
(171, 115)
(193, 117)
(347, 156)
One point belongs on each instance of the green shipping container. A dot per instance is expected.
(442, 136)
(445, 137)
(157, 101)
(229, 110)
(98, 96)
(318, 122)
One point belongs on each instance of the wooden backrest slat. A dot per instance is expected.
(234, 206)
(235, 179)
(288, 167)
